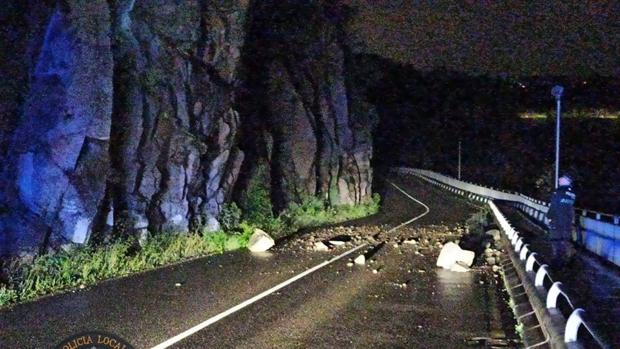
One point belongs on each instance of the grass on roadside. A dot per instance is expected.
(312, 212)
(83, 266)
(86, 265)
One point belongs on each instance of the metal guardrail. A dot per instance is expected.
(539, 272)
(535, 270)
(598, 232)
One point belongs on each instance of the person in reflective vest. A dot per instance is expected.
(561, 216)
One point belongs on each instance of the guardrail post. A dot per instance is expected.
(540, 275)
(552, 295)
(529, 263)
(519, 245)
(572, 325)
(524, 252)
(616, 219)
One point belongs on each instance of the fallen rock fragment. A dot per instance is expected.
(490, 260)
(320, 246)
(494, 233)
(360, 260)
(260, 241)
(340, 240)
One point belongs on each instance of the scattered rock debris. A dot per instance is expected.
(438, 240)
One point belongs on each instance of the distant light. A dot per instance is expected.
(532, 116)
(585, 82)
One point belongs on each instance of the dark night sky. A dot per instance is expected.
(517, 37)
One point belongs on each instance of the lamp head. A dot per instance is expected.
(557, 91)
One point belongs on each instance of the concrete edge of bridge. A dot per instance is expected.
(530, 309)
(540, 326)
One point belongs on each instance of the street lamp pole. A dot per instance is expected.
(557, 91)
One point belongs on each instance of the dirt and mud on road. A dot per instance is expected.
(397, 298)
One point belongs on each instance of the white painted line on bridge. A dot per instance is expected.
(426, 209)
(254, 299)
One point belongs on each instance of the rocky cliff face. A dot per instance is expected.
(306, 106)
(131, 117)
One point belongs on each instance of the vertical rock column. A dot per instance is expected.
(128, 207)
(57, 164)
(174, 125)
(321, 146)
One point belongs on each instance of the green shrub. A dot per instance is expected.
(313, 212)
(7, 296)
(230, 217)
(258, 207)
(216, 241)
(246, 232)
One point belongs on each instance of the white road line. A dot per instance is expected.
(266, 293)
(242, 305)
(426, 211)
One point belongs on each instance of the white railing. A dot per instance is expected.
(599, 232)
(535, 269)
(553, 293)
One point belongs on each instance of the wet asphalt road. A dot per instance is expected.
(337, 306)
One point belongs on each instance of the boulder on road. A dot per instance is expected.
(451, 253)
(459, 267)
(466, 257)
(448, 255)
(260, 241)
(320, 246)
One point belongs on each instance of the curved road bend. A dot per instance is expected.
(335, 306)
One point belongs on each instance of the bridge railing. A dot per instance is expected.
(561, 329)
(548, 290)
(597, 232)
